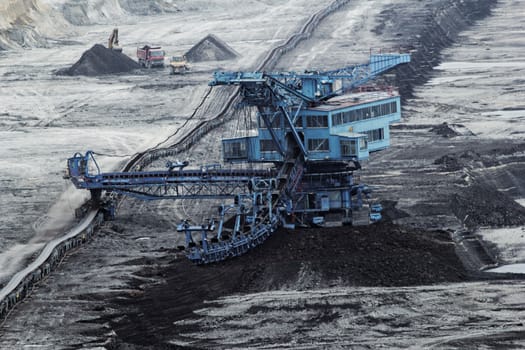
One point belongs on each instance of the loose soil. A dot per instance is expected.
(211, 48)
(100, 60)
(483, 205)
(378, 255)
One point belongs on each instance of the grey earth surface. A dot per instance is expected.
(452, 183)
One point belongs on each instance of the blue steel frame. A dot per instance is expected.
(285, 97)
(263, 199)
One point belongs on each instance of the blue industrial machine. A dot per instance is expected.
(306, 123)
(313, 128)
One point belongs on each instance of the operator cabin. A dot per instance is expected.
(346, 127)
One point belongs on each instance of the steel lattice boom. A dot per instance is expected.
(312, 135)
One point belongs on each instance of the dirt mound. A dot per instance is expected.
(390, 212)
(444, 130)
(468, 158)
(449, 163)
(378, 255)
(483, 205)
(211, 48)
(100, 60)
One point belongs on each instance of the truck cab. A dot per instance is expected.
(150, 57)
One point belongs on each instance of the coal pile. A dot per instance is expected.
(449, 163)
(483, 205)
(444, 130)
(379, 255)
(390, 212)
(100, 60)
(211, 48)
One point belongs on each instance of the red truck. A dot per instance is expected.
(150, 56)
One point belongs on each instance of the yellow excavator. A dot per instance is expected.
(113, 41)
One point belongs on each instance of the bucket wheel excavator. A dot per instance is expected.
(314, 129)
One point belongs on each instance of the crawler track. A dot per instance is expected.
(22, 283)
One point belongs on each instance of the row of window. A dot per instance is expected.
(348, 147)
(375, 135)
(364, 113)
(321, 121)
(312, 121)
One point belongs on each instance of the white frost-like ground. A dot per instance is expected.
(511, 268)
(510, 242)
(44, 119)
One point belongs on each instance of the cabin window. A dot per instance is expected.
(375, 135)
(347, 116)
(363, 144)
(268, 146)
(316, 121)
(393, 107)
(358, 114)
(348, 148)
(337, 119)
(274, 119)
(234, 150)
(318, 145)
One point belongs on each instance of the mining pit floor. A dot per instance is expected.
(453, 196)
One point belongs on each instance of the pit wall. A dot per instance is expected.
(440, 29)
(29, 23)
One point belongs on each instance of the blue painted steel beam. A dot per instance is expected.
(204, 183)
(292, 83)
